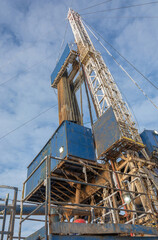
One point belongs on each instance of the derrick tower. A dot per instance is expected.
(103, 88)
(106, 97)
(102, 175)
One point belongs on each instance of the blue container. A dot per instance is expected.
(106, 131)
(73, 139)
(109, 139)
(150, 139)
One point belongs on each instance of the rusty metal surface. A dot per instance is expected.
(101, 229)
(8, 234)
(27, 209)
(68, 190)
(99, 238)
(68, 108)
(41, 233)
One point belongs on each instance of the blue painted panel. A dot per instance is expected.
(106, 131)
(60, 63)
(76, 141)
(80, 141)
(45, 151)
(60, 141)
(55, 237)
(150, 139)
(36, 178)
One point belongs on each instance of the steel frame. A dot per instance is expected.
(12, 208)
(137, 216)
(46, 203)
(103, 88)
(105, 94)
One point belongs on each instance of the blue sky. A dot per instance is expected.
(31, 33)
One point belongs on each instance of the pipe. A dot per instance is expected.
(27, 209)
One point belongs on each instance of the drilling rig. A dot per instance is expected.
(101, 175)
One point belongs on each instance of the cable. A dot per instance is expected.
(30, 120)
(123, 69)
(10, 61)
(95, 5)
(53, 88)
(62, 43)
(28, 69)
(25, 71)
(113, 9)
(44, 110)
(136, 69)
(148, 17)
(131, 109)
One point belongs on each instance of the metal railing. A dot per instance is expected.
(107, 209)
(9, 233)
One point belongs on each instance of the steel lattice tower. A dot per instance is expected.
(104, 90)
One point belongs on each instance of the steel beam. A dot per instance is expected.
(55, 237)
(100, 229)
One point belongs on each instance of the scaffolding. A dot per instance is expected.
(87, 189)
(8, 208)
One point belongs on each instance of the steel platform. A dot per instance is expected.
(41, 234)
(70, 168)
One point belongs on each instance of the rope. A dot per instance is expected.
(122, 68)
(113, 9)
(122, 56)
(95, 5)
(30, 120)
